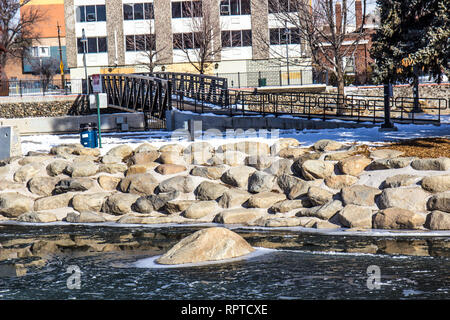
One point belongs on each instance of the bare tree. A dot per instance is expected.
(18, 23)
(329, 36)
(145, 45)
(45, 68)
(201, 43)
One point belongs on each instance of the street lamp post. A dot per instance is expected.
(286, 32)
(84, 42)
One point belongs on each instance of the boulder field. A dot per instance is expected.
(328, 185)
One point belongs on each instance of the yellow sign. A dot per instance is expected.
(61, 67)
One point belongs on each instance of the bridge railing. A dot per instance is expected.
(333, 106)
(138, 93)
(197, 88)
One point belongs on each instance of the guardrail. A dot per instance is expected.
(138, 93)
(197, 88)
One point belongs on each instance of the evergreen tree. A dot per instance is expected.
(414, 37)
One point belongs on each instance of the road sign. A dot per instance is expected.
(96, 84)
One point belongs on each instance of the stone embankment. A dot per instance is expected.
(329, 185)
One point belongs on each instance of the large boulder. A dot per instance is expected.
(171, 157)
(42, 186)
(261, 182)
(210, 244)
(113, 168)
(207, 190)
(414, 199)
(56, 167)
(259, 162)
(166, 169)
(439, 164)
(233, 197)
(359, 195)
(122, 151)
(327, 210)
(292, 153)
(176, 206)
(439, 220)
(265, 199)
(198, 153)
(145, 147)
(400, 180)
(238, 216)
(89, 202)
(317, 169)
(200, 209)
(231, 158)
(327, 145)
(287, 205)
(295, 187)
(143, 157)
(340, 181)
(82, 169)
(385, 153)
(397, 218)
(353, 216)
(154, 202)
(282, 144)
(354, 165)
(394, 163)
(84, 217)
(436, 183)
(27, 172)
(298, 163)
(184, 184)
(172, 147)
(73, 185)
(280, 167)
(238, 176)
(108, 183)
(440, 202)
(119, 203)
(53, 202)
(37, 217)
(213, 172)
(13, 204)
(319, 196)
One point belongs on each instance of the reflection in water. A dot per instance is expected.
(300, 266)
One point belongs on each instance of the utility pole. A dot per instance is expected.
(61, 64)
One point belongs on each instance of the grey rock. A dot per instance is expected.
(154, 202)
(81, 169)
(84, 217)
(400, 180)
(57, 167)
(327, 145)
(183, 184)
(213, 172)
(439, 164)
(238, 176)
(42, 186)
(439, 220)
(53, 202)
(439, 202)
(414, 199)
(89, 202)
(233, 197)
(209, 190)
(318, 196)
(261, 182)
(317, 169)
(119, 203)
(141, 184)
(353, 216)
(359, 195)
(13, 204)
(73, 185)
(436, 183)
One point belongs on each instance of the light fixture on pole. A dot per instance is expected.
(84, 42)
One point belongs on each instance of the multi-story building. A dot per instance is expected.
(119, 34)
(46, 47)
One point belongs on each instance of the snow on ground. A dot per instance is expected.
(370, 136)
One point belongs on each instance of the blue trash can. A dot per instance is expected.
(89, 135)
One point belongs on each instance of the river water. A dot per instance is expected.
(280, 272)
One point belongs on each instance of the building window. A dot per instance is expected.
(91, 13)
(234, 7)
(94, 45)
(186, 9)
(279, 36)
(40, 52)
(138, 11)
(282, 6)
(142, 42)
(190, 40)
(236, 38)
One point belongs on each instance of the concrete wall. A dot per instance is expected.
(177, 120)
(71, 124)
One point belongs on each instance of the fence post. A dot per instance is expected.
(20, 88)
(239, 80)
(281, 79)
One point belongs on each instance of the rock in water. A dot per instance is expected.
(209, 244)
